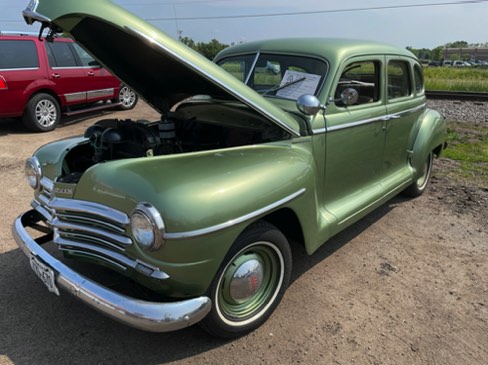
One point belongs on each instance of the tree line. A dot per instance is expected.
(437, 54)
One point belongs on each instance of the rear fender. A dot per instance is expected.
(432, 135)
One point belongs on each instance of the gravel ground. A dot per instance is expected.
(455, 110)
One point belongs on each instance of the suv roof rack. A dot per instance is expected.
(17, 32)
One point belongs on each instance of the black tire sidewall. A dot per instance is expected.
(29, 117)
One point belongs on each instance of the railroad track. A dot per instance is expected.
(457, 95)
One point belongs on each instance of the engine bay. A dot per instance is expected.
(186, 131)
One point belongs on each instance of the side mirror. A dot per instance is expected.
(309, 105)
(349, 96)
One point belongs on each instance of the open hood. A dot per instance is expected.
(162, 70)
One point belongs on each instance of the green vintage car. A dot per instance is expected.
(277, 143)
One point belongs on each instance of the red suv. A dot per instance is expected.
(41, 80)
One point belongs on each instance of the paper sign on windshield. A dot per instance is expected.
(307, 86)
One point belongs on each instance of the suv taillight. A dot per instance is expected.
(3, 83)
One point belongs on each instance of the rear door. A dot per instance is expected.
(100, 84)
(404, 106)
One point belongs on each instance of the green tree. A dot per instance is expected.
(208, 50)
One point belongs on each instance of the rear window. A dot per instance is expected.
(18, 54)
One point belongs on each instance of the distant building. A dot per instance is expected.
(467, 53)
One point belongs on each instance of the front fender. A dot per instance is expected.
(432, 135)
(200, 190)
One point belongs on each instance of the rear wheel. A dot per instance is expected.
(250, 283)
(420, 184)
(127, 98)
(42, 113)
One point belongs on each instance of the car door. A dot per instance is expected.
(99, 83)
(355, 140)
(66, 73)
(404, 107)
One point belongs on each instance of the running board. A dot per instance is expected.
(92, 109)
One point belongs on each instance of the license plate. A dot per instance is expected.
(45, 273)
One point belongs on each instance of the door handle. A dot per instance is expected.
(91, 73)
(56, 76)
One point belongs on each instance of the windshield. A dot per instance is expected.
(276, 75)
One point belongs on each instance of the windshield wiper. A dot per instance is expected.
(279, 87)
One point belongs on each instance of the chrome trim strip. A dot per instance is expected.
(66, 217)
(214, 80)
(232, 222)
(75, 97)
(319, 131)
(20, 69)
(367, 121)
(95, 94)
(144, 315)
(82, 206)
(354, 124)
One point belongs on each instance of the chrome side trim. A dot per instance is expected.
(20, 69)
(74, 97)
(144, 315)
(214, 80)
(95, 94)
(371, 120)
(82, 206)
(232, 222)
(355, 124)
(319, 131)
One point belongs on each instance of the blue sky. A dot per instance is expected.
(239, 21)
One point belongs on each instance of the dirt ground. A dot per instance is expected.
(406, 285)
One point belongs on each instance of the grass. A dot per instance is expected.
(456, 79)
(468, 146)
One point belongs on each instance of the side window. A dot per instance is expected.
(398, 79)
(419, 79)
(18, 54)
(362, 76)
(62, 55)
(84, 56)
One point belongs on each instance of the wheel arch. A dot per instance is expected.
(286, 221)
(45, 91)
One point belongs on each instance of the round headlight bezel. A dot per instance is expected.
(34, 180)
(155, 224)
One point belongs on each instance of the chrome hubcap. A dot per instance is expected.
(247, 280)
(46, 113)
(127, 97)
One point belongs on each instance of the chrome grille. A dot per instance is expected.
(90, 223)
(90, 230)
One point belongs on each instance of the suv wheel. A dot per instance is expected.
(127, 98)
(42, 113)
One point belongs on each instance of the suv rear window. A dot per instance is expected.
(17, 54)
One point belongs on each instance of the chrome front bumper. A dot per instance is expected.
(144, 315)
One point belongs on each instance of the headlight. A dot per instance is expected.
(147, 227)
(33, 172)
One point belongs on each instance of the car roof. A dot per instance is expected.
(333, 49)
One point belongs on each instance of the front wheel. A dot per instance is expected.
(420, 184)
(126, 97)
(250, 283)
(42, 113)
